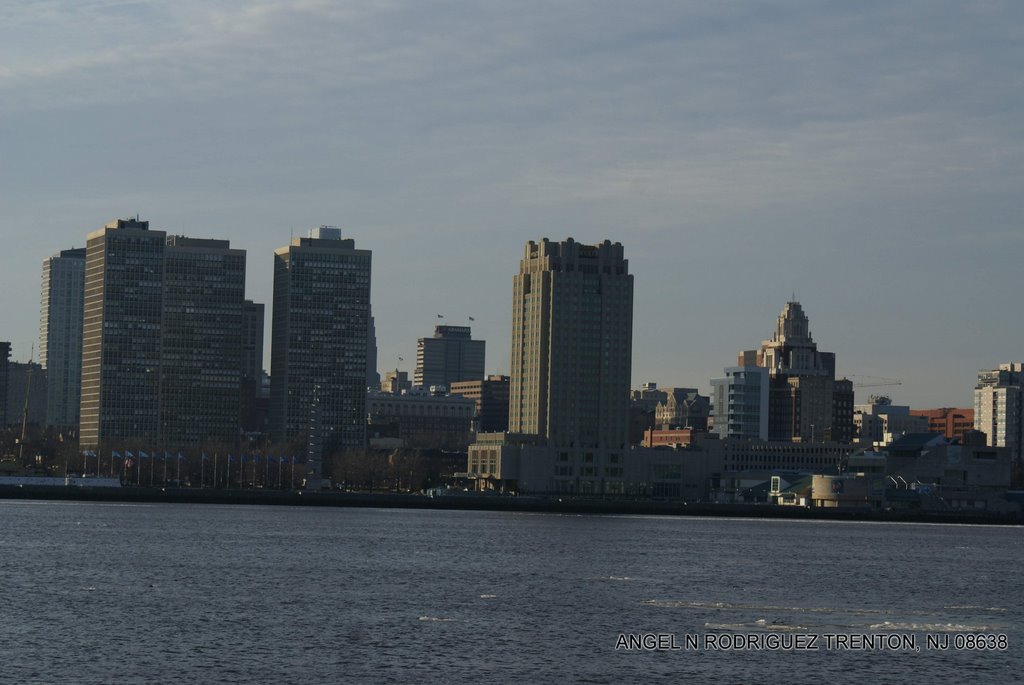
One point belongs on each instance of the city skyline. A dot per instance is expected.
(866, 159)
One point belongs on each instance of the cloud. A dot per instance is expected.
(688, 130)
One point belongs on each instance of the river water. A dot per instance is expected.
(111, 593)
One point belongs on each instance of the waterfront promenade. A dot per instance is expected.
(482, 502)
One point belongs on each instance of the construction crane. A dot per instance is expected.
(872, 381)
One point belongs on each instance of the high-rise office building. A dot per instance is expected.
(802, 402)
(202, 342)
(162, 339)
(254, 400)
(372, 375)
(572, 325)
(60, 335)
(450, 356)
(253, 314)
(842, 429)
(121, 333)
(319, 340)
(999, 407)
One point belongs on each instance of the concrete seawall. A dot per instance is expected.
(468, 501)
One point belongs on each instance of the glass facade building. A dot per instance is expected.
(319, 340)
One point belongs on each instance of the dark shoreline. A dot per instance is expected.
(473, 502)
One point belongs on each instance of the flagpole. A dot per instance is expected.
(280, 465)
(152, 466)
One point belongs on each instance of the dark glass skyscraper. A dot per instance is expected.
(123, 310)
(319, 341)
(162, 339)
(202, 342)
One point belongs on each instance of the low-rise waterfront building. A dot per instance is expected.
(421, 419)
(741, 403)
(491, 397)
(26, 389)
(670, 437)
(951, 422)
(879, 421)
(643, 405)
(683, 408)
(396, 382)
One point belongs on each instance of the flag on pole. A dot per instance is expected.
(205, 458)
(472, 319)
(115, 454)
(130, 455)
(440, 316)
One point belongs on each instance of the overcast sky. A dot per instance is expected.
(865, 156)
